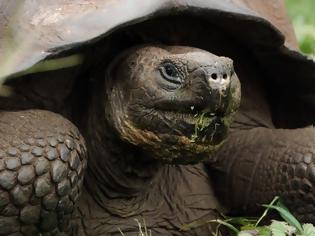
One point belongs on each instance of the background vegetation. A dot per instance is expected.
(302, 13)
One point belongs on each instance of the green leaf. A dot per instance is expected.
(309, 230)
(264, 231)
(266, 211)
(226, 224)
(303, 18)
(281, 228)
(242, 221)
(244, 233)
(259, 231)
(248, 227)
(288, 217)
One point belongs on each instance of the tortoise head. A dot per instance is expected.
(176, 102)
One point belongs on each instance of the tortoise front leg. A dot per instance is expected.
(256, 165)
(42, 161)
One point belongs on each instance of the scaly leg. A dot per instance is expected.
(42, 163)
(258, 164)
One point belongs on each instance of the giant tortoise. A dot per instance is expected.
(145, 115)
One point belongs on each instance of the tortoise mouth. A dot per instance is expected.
(174, 137)
(199, 126)
(205, 132)
(210, 128)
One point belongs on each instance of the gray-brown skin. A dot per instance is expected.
(42, 162)
(140, 121)
(264, 155)
(277, 82)
(260, 161)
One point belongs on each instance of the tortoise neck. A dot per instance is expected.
(116, 169)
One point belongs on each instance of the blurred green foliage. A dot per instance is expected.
(302, 13)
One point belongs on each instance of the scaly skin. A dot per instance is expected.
(260, 161)
(137, 123)
(42, 162)
(284, 166)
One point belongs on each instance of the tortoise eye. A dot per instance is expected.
(170, 73)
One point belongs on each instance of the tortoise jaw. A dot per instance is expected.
(210, 129)
(173, 148)
(159, 115)
(206, 128)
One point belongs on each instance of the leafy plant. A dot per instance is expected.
(303, 17)
(241, 226)
(289, 227)
(202, 122)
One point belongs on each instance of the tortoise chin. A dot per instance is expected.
(204, 140)
(174, 102)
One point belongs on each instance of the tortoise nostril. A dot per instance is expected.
(214, 76)
(224, 76)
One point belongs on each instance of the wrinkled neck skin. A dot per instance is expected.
(116, 169)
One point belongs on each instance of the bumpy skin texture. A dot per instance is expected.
(118, 190)
(42, 161)
(260, 160)
(125, 179)
(284, 166)
(140, 116)
(126, 175)
(153, 110)
(124, 182)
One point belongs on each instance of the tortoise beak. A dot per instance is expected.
(221, 95)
